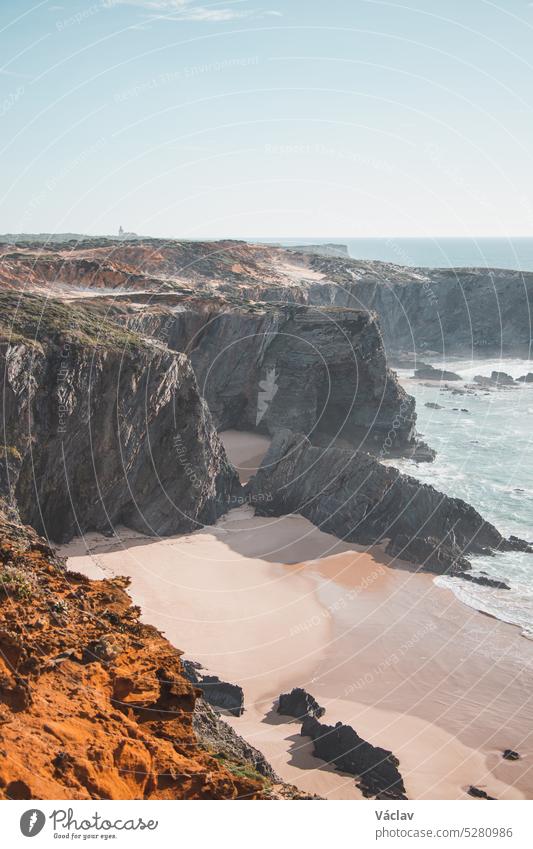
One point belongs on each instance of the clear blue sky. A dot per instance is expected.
(267, 117)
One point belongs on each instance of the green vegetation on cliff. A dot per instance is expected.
(32, 319)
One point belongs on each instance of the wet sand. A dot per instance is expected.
(245, 451)
(274, 603)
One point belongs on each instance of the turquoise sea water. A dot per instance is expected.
(484, 456)
(516, 253)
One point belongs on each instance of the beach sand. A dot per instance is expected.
(274, 603)
(245, 451)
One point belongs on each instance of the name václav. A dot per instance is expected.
(394, 815)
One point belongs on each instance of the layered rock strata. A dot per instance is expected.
(102, 427)
(356, 498)
(376, 768)
(319, 371)
(299, 703)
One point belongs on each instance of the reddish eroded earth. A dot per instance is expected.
(93, 704)
(148, 265)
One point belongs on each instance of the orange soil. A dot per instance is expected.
(93, 704)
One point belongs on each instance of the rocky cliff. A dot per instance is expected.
(102, 427)
(356, 498)
(94, 704)
(446, 311)
(463, 310)
(321, 371)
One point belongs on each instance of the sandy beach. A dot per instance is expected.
(272, 604)
(245, 451)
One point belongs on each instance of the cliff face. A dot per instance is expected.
(93, 704)
(447, 311)
(356, 498)
(442, 310)
(101, 427)
(319, 371)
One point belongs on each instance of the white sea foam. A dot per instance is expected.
(492, 470)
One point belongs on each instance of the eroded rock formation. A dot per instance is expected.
(356, 498)
(219, 694)
(299, 703)
(319, 371)
(458, 310)
(376, 768)
(101, 427)
(98, 699)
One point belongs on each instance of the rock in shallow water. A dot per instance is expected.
(428, 372)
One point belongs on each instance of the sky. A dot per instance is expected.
(267, 118)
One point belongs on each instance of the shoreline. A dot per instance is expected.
(382, 648)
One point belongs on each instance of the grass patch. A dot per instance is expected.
(14, 583)
(9, 452)
(32, 319)
(241, 770)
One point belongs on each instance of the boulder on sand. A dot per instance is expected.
(300, 704)
(219, 694)
(376, 768)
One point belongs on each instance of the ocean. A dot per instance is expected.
(484, 456)
(515, 253)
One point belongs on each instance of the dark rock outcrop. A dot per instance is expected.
(219, 694)
(517, 544)
(502, 378)
(510, 755)
(299, 703)
(376, 768)
(483, 581)
(321, 371)
(526, 378)
(455, 310)
(356, 498)
(428, 372)
(103, 428)
(420, 452)
(479, 794)
(216, 735)
(496, 379)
